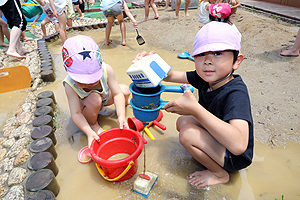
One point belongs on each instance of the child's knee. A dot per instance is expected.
(125, 90)
(94, 100)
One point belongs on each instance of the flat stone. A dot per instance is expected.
(3, 178)
(2, 139)
(3, 190)
(16, 176)
(18, 147)
(15, 193)
(22, 157)
(8, 143)
(2, 153)
(8, 164)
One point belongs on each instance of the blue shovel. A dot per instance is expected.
(185, 55)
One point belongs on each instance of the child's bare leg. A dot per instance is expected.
(177, 7)
(110, 22)
(79, 11)
(62, 27)
(56, 26)
(153, 5)
(91, 107)
(43, 26)
(122, 28)
(205, 149)
(187, 4)
(2, 38)
(146, 10)
(126, 92)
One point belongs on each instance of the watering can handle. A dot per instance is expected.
(175, 88)
(118, 177)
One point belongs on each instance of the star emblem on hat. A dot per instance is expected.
(85, 54)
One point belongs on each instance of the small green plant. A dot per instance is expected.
(280, 199)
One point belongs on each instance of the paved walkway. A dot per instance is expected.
(286, 11)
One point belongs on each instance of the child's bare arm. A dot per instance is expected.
(232, 135)
(53, 8)
(76, 112)
(117, 95)
(128, 13)
(235, 4)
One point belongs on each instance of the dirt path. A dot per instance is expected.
(272, 80)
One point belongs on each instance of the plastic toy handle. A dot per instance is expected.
(148, 132)
(31, 4)
(161, 126)
(118, 177)
(175, 88)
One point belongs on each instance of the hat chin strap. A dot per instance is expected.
(222, 78)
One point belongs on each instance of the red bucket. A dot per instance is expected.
(113, 142)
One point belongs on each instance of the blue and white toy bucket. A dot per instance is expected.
(149, 71)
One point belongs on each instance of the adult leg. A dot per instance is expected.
(62, 27)
(293, 50)
(153, 5)
(187, 4)
(146, 10)
(14, 44)
(177, 7)
(91, 105)
(110, 22)
(205, 149)
(122, 28)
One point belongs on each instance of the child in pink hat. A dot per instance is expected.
(216, 129)
(90, 85)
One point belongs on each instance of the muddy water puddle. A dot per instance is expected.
(274, 172)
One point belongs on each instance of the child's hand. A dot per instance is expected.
(55, 14)
(141, 55)
(184, 105)
(135, 24)
(122, 122)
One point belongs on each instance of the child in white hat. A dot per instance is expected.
(216, 130)
(90, 85)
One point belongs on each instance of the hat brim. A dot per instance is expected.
(213, 47)
(86, 78)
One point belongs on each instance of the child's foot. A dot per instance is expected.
(22, 52)
(16, 55)
(28, 39)
(82, 16)
(145, 19)
(176, 17)
(156, 17)
(289, 52)
(123, 43)
(108, 42)
(204, 178)
(4, 45)
(187, 14)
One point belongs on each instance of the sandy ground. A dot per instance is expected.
(272, 80)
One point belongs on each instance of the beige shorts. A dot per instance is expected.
(70, 13)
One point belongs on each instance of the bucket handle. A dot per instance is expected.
(31, 4)
(118, 177)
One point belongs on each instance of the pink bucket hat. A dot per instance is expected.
(82, 59)
(216, 36)
(220, 10)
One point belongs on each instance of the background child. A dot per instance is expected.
(154, 7)
(177, 7)
(203, 11)
(3, 31)
(76, 4)
(49, 18)
(59, 11)
(90, 85)
(234, 4)
(218, 129)
(113, 9)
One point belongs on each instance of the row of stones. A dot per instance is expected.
(16, 134)
(14, 153)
